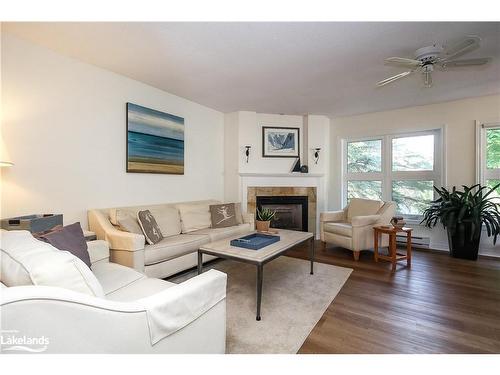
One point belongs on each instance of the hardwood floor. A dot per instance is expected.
(441, 305)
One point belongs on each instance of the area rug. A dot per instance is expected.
(293, 301)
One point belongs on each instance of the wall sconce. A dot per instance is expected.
(316, 154)
(247, 151)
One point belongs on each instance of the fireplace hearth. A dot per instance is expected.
(291, 211)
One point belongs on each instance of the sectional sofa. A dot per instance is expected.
(52, 302)
(186, 226)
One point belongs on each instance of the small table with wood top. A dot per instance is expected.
(393, 256)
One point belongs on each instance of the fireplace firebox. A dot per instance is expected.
(291, 211)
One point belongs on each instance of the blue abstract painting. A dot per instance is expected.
(155, 141)
(280, 142)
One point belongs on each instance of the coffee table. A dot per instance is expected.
(288, 239)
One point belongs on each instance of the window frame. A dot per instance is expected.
(387, 175)
(482, 172)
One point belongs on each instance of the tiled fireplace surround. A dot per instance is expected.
(290, 184)
(309, 192)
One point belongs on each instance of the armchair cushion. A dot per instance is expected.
(362, 207)
(362, 221)
(332, 216)
(340, 228)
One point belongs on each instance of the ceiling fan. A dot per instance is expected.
(442, 57)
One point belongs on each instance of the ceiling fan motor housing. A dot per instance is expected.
(429, 53)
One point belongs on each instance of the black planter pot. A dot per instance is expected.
(462, 244)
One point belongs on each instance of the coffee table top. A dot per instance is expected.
(223, 248)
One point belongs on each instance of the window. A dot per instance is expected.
(403, 168)
(489, 155)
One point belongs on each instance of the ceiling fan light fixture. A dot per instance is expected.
(427, 79)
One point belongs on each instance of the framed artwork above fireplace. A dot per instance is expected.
(280, 142)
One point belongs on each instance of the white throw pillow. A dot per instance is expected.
(28, 261)
(195, 216)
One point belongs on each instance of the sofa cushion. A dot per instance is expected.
(126, 221)
(362, 207)
(216, 234)
(173, 247)
(168, 219)
(239, 216)
(340, 228)
(113, 276)
(28, 261)
(139, 289)
(195, 216)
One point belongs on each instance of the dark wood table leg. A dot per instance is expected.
(200, 262)
(375, 245)
(259, 288)
(311, 254)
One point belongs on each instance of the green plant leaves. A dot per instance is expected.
(474, 205)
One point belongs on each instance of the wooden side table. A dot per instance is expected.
(394, 256)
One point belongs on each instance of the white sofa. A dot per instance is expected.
(352, 228)
(110, 309)
(186, 227)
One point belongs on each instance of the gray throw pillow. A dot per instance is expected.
(149, 227)
(127, 222)
(223, 215)
(69, 238)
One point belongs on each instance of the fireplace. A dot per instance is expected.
(291, 211)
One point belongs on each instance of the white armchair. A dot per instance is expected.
(134, 313)
(352, 228)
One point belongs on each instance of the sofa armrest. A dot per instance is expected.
(117, 239)
(98, 251)
(187, 318)
(363, 221)
(175, 307)
(249, 218)
(331, 216)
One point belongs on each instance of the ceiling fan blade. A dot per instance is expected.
(470, 43)
(466, 62)
(401, 61)
(393, 78)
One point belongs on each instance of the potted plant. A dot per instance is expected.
(264, 217)
(463, 214)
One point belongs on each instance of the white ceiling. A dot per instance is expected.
(292, 68)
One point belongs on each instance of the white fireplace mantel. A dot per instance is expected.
(292, 174)
(316, 180)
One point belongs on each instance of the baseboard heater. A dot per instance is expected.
(416, 241)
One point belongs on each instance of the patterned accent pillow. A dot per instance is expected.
(223, 215)
(149, 227)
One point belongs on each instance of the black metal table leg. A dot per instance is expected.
(311, 254)
(259, 288)
(200, 262)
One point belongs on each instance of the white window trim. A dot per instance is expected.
(437, 174)
(482, 173)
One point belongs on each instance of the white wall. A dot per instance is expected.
(245, 128)
(64, 123)
(458, 118)
(250, 133)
